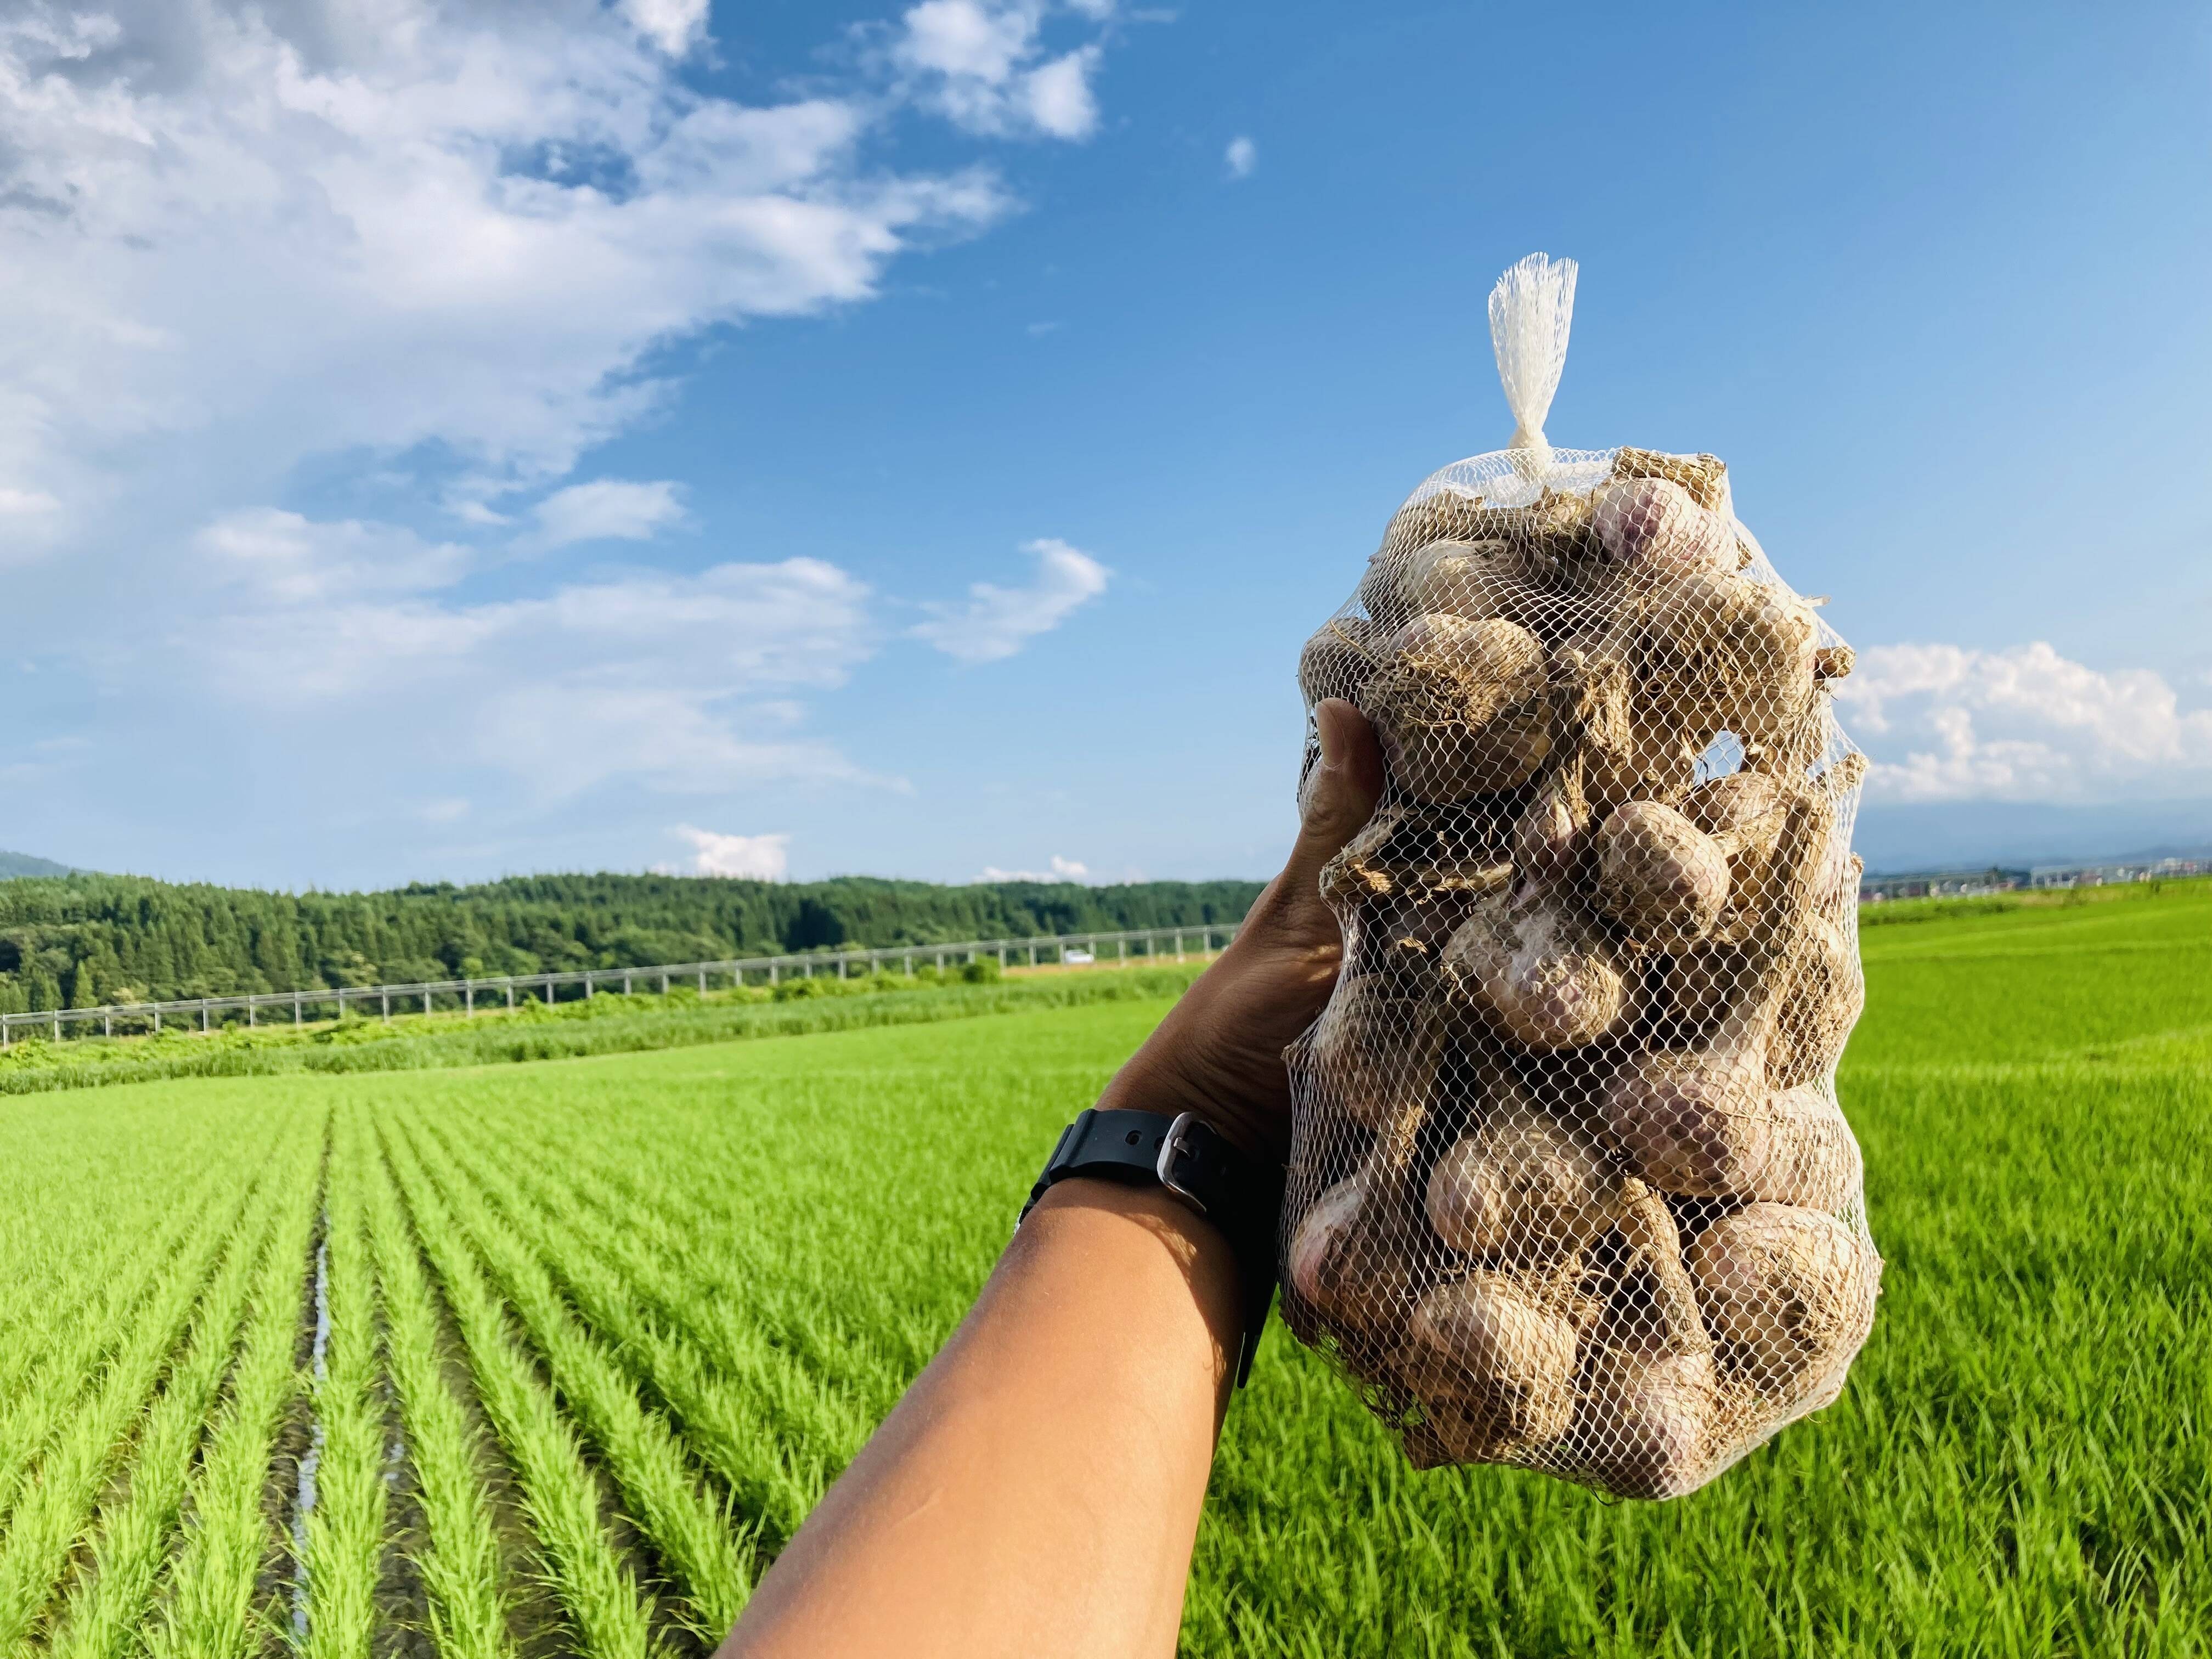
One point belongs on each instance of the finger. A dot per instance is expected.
(1341, 790)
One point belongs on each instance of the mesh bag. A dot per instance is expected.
(1570, 1187)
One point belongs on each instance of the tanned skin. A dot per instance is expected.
(1037, 1490)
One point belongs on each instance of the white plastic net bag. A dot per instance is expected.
(1570, 1187)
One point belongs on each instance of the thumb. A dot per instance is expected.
(1340, 792)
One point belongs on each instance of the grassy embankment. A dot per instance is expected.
(607, 1024)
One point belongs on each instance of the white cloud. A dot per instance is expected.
(668, 680)
(1062, 869)
(432, 251)
(237, 235)
(606, 510)
(1241, 156)
(758, 858)
(287, 559)
(1944, 722)
(674, 26)
(996, 622)
(984, 65)
(970, 39)
(1057, 98)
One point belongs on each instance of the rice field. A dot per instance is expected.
(552, 1357)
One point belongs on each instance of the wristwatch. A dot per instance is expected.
(1240, 1194)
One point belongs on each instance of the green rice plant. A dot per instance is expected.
(725, 1280)
(98, 1431)
(212, 1609)
(2038, 982)
(345, 1528)
(756, 1418)
(691, 1529)
(462, 1568)
(728, 1270)
(613, 1618)
(2058, 1368)
(92, 1429)
(97, 1306)
(766, 1289)
(107, 1609)
(62, 1254)
(730, 1258)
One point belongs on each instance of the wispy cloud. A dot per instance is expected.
(513, 206)
(678, 682)
(1241, 157)
(286, 559)
(25, 504)
(1948, 722)
(994, 621)
(606, 510)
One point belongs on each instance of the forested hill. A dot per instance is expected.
(81, 940)
(22, 864)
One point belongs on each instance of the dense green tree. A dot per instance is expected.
(79, 941)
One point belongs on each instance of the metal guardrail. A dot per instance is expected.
(148, 1016)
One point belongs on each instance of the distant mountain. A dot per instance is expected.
(13, 864)
(1973, 834)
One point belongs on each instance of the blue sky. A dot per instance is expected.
(440, 440)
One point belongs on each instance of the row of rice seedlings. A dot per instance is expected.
(61, 1259)
(901, 1274)
(863, 1299)
(735, 1404)
(345, 1528)
(560, 1494)
(733, 1279)
(729, 1277)
(106, 1608)
(100, 1430)
(691, 1528)
(70, 1423)
(179, 1239)
(727, 1403)
(462, 1568)
(212, 1611)
(49, 1271)
(59, 1243)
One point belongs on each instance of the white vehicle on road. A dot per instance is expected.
(1077, 958)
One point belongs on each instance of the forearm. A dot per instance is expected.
(1037, 1490)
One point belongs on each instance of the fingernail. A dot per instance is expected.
(1329, 727)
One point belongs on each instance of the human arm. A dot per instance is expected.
(1037, 1490)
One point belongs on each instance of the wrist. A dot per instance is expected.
(1095, 1223)
(1159, 1083)
(1217, 1194)
(1156, 1211)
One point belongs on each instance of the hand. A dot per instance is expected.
(1219, 1052)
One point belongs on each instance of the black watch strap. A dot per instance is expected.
(1240, 1194)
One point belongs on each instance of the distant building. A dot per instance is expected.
(2097, 875)
(1939, 884)
(1964, 884)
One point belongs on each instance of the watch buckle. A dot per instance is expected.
(1171, 1145)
